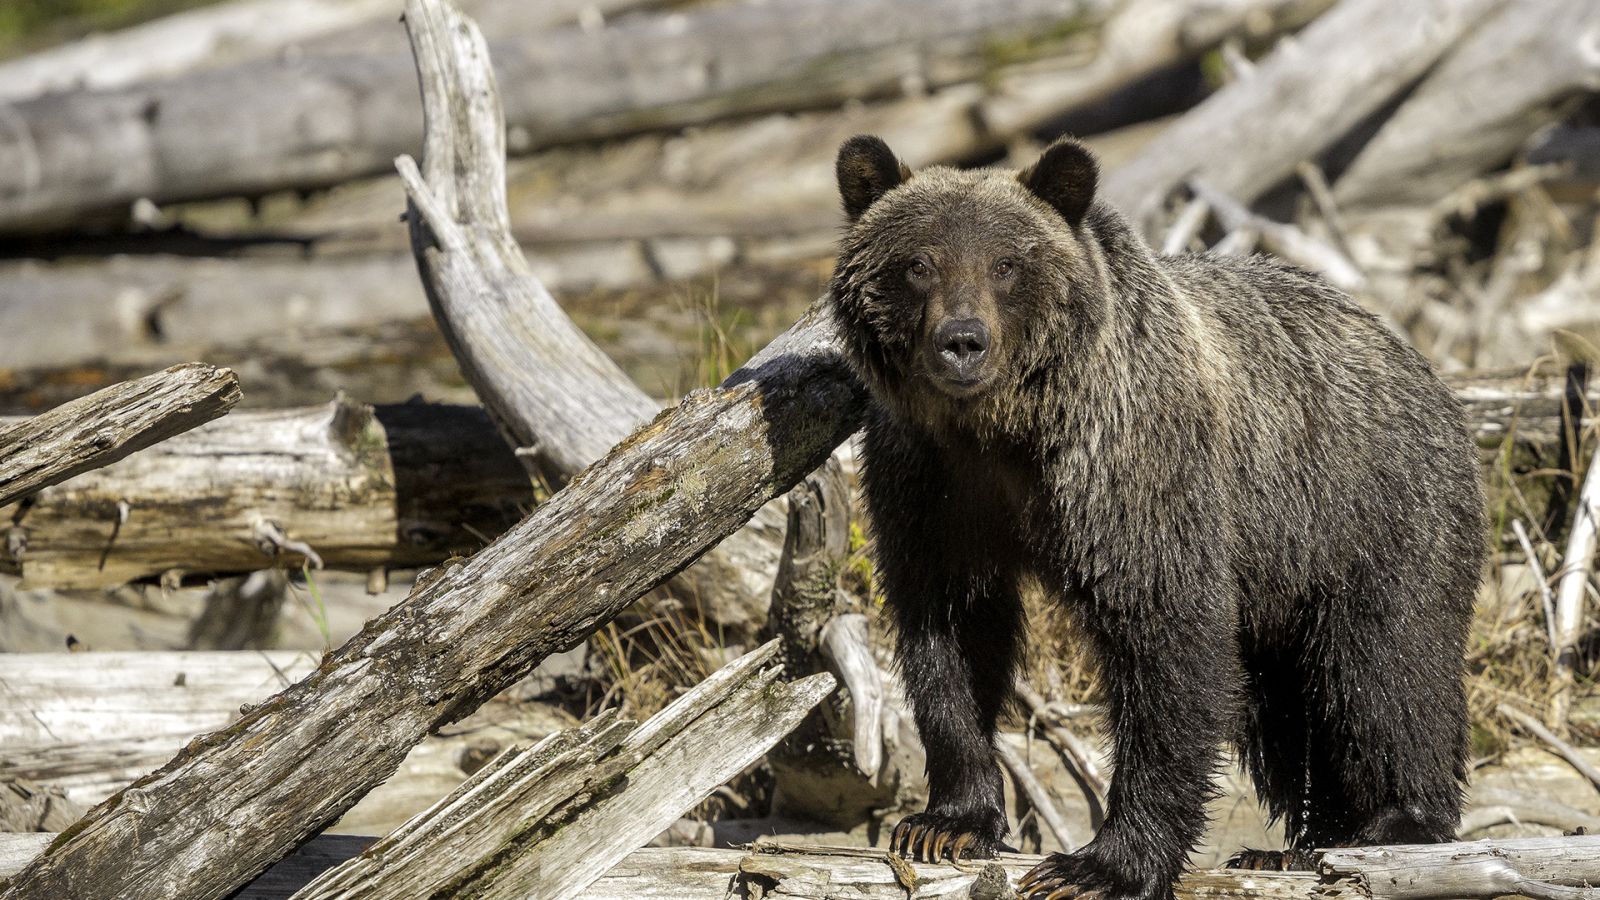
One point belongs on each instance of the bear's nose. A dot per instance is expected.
(962, 342)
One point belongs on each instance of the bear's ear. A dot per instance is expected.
(867, 169)
(1064, 177)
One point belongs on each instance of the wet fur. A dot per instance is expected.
(1261, 506)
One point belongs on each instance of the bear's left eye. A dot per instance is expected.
(1004, 268)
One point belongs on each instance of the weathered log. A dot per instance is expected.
(1519, 70)
(395, 486)
(1533, 867)
(242, 30)
(75, 698)
(551, 819)
(1302, 98)
(560, 400)
(1138, 39)
(276, 883)
(89, 724)
(277, 125)
(110, 424)
(1547, 868)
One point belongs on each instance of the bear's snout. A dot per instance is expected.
(962, 345)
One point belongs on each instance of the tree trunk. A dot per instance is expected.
(110, 424)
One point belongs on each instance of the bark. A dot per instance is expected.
(110, 424)
(1521, 69)
(298, 124)
(551, 819)
(1303, 97)
(361, 487)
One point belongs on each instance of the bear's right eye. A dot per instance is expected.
(918, 269)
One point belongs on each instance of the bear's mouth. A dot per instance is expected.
(961, 386)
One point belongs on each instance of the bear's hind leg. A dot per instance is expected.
(1389, 729)
(1273, 745)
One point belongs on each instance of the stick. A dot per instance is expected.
(1074, 754)
(110, 424)
(1037, 795)
(1546, 597)
(1562, 748)
(1574, 586)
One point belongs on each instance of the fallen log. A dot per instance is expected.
(276, 883)
(1531, 867)
(361, 487)
(1466, 117)
(242, 30)
(1534, 867)
(1303, 97)
(551, 819)
(110, 424)
(298, 124)
(78, 698)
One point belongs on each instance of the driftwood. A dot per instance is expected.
(75, 698)
(110, 424)
(240, 30)
(1577, 565)
(1548, 868)
(277, 883)
(90, 724)
(360, 487)
(561, 401)
(278, 125)
(549, 820)
(1552, 868)
(1304, 96)
(1467, 117)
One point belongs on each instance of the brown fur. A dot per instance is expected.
(1261, 505)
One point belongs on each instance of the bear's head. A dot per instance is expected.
(953, 287)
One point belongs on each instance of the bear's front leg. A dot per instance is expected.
(956, 657)
(1170, 673)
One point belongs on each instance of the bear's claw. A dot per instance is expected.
(1271, 861)
(1045, 882)
(929, 837)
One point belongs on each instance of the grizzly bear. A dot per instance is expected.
(1260, 507)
